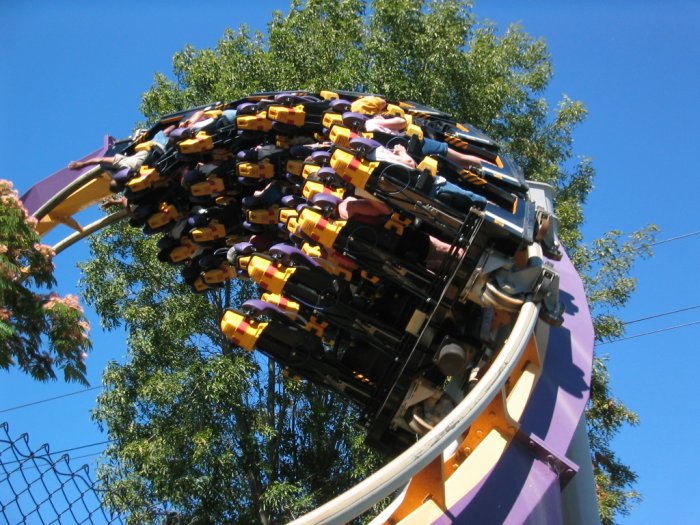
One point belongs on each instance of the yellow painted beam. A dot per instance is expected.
(90, 193)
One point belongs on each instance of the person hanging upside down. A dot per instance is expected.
(119, 161)
(442, 189)
(396, 125)
(414, 244)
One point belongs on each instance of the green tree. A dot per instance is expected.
(245, 428)
(202, 431)
(39, 332)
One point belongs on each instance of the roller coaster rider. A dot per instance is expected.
(414, 245)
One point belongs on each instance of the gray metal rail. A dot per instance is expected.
(80, 181)
(91, 228)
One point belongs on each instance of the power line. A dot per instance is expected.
(48, 399)
(73, 458)
(661, 315)
(650, 333)
(655, 316)
(70, 458)
(48, 454)
(675, 238)
(83, 446)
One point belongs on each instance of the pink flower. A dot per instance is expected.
(71, 301)
(53, 300)
(85, 326)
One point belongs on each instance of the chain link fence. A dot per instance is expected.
(36, 487)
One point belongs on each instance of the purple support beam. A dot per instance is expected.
(525, 486)
(43, 191)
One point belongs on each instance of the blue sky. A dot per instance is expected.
(75, 71)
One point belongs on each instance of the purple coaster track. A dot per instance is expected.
(526, 484)
(43, 191)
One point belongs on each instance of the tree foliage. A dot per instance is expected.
(39, 332)
(203, 431)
